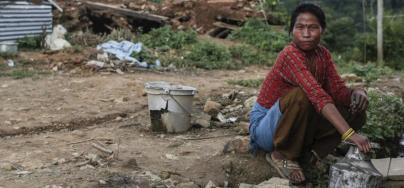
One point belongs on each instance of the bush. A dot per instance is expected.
(120, 34)
(253, 83)
(249, 56)
(165, 38)
(260, 35)
(209, 56)
(384, 118)
(370, 71)
(30, 43)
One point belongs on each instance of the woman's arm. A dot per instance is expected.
(331, 113)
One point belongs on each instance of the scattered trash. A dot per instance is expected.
(56, 40)
(10, 62)
(171, 156)
(123, 51)
(222, 119)
(95, 64)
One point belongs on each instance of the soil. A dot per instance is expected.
(49, 124)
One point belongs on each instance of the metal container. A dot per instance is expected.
(8, 47)
(170, 106)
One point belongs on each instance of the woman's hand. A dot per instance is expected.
(359, 101)
(361, 141)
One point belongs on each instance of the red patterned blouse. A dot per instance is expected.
(318, 79)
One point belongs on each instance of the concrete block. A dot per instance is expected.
(382, 165)
(396, 171)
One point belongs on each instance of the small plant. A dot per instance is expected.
(209, 56)
(253, 83)
(30, 43)
(261, 35)
(370, 71)
(385, 116)
(86, 38)
(121, 34)
(249, 56)
(165, 38)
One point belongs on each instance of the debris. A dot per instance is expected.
(273, 182)
(22, 172)
(171, 156)
(237, 145)
(350, 77)
(7, 166)
(222, 119)
(123, 51)
(130, 13)
(212, 107)
(244, 128)
(102, 148)
(210, 184)
(187, 185)
(56, 40)
(249, 103)
(203, 120)
(10, 63)
(103, 57)
(95, 64)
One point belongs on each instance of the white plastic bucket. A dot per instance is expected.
(170, 106)
(8, 47)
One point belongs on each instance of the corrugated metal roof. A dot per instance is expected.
(19, 19)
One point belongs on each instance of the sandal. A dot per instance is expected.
(284, 167)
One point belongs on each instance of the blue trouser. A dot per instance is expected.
(263, 124)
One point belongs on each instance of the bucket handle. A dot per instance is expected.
(167, 91)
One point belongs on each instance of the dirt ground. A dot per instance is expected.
(48, 125)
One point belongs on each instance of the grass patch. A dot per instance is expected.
(370, 72)
(261, 35)
(20, 74)
(30, 43)
(253, 83)
(165, 38)
(209, 56)
(250, 56)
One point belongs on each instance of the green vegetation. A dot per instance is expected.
(385, 116)
(262, 36)
(166, 38)
(370, 72)
(253, 83)
(120, 35)
(208, 55)
(30, 43)
(22, 73)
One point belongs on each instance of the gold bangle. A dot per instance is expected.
(346, 133)
(347, 137)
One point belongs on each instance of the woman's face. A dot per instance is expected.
(307, 31)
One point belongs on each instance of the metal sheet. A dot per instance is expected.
(19, 19)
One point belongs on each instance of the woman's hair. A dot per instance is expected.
(308, 8)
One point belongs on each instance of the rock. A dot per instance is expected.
(351, 77)
(165, 175)
(249, 103)
(7, 166)
(244, 128)
(237, 145)
(95, 64)
(171, 156)
(203, 120)
(244, 185)
(210, 185)
(103, 57)
(212, 107)
(187, 185)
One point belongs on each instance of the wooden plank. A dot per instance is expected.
(225, 25)
(127, 12)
